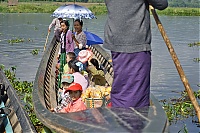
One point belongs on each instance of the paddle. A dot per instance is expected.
(46, 41)
(177, 63)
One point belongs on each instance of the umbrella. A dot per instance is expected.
(92, 38)
(73, 11)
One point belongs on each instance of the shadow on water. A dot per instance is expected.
(164, 76)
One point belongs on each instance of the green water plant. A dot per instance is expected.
(16, 40)
(179, 108)
(194, 44)
(35, 52)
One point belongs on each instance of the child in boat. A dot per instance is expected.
(96, 73)
(75, 92)
(69, 56)
(66, 80)
(83, 57)
(64, 98)
(75, 67)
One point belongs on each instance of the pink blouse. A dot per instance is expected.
(69, 41)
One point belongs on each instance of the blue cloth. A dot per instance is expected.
(131, 85)
(77, 50)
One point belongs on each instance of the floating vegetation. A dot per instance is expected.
(28, 22)
(30, 40)
(194, 44)
(197, 44)
(35, 28)
(24, 90)
(35, 52)
(17, 40)
(196, 60)
(180, 108)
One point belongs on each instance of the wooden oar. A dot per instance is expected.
(177, 63)
(46, 41)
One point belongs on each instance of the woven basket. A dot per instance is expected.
(94, 102)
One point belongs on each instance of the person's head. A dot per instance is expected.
(66, 80)
(75, 66)
(60, 19)
(78, 24)
(95, 63)
(84, 55)
(75, 91)
(64, 25)
(70, 56)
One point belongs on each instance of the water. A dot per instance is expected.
(164, 76)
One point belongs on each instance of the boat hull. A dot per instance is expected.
(103, 119)
(17, 119)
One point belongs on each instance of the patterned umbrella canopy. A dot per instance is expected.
(73, 11)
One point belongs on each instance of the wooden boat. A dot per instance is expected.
(13, 119)
(103, 119)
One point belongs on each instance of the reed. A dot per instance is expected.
(180, 11)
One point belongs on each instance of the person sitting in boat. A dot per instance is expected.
(69, 56)
(79, 37)
(83, 57)
(96, 73)
(75, 91)
(66, 80)
(75, 67)
(73, 99)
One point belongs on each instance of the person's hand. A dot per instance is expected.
(49, 30)
(73, 36)
(89, 59)
(80, 45)
(52, 109)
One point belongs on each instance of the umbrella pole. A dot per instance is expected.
(177, 63)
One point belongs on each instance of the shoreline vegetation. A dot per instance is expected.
(96, 8)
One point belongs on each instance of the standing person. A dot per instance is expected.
(79, 38)
(57, 28)
(128, 37)
(66, 37)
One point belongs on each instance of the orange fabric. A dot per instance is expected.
(78, 105)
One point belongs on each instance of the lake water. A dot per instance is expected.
(164, 76)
